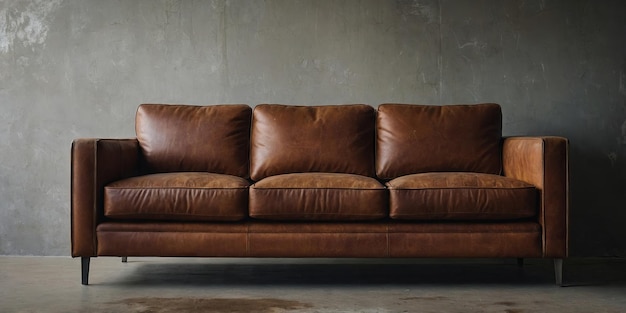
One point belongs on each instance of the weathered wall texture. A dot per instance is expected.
(79, 68)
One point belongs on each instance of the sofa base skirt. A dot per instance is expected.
(315, 240)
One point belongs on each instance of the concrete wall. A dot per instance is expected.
(79, 68)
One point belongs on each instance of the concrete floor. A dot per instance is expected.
(165, 285)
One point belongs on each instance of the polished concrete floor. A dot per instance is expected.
(165, 285)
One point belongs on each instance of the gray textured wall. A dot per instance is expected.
(79, 68)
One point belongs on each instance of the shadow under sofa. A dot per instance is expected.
(397, 181)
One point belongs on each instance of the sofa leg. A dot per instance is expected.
(124, 259)
(84, 267)
(520, 262)
(558, 271)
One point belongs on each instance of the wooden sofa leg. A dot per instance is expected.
(124, 259)
(558, 271)
(84, 267)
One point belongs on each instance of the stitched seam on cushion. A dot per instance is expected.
(396, 232)
(175, 188)
(301, 213)
(311, 232)
(169, 214)
(315, 214)
(462, 188)
(459, 213)
(334, 232)
(460, 232)
(307, 188)
(168, 231)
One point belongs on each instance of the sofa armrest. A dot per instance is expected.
(94, 163)
(543, 162)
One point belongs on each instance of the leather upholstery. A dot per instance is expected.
(95, 163)
(415, 139)
(319, 239)
(543, 162)
(178, 196)
(460, 196)
(172, 239)
(336, 239)
(177, 138)
(315, 187)
(466, 240)
(318, 196)
(299, 139)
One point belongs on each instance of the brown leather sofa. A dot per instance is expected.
(399, 181)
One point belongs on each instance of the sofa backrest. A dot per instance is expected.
(176, 138)
(414, 139)
(290, 139)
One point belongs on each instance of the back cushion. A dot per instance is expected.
(425, 138)
(295, 139)
(177, 138)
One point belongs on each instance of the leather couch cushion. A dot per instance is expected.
(179, 138)
(292, 139)
(460, 196)
(318, 196)
(452, 138)
(178, 196)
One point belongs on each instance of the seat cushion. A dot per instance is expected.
(451, 138)
(318, 196)
(460, 196)
(184, 196)
(182, 138)
(299, 139)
